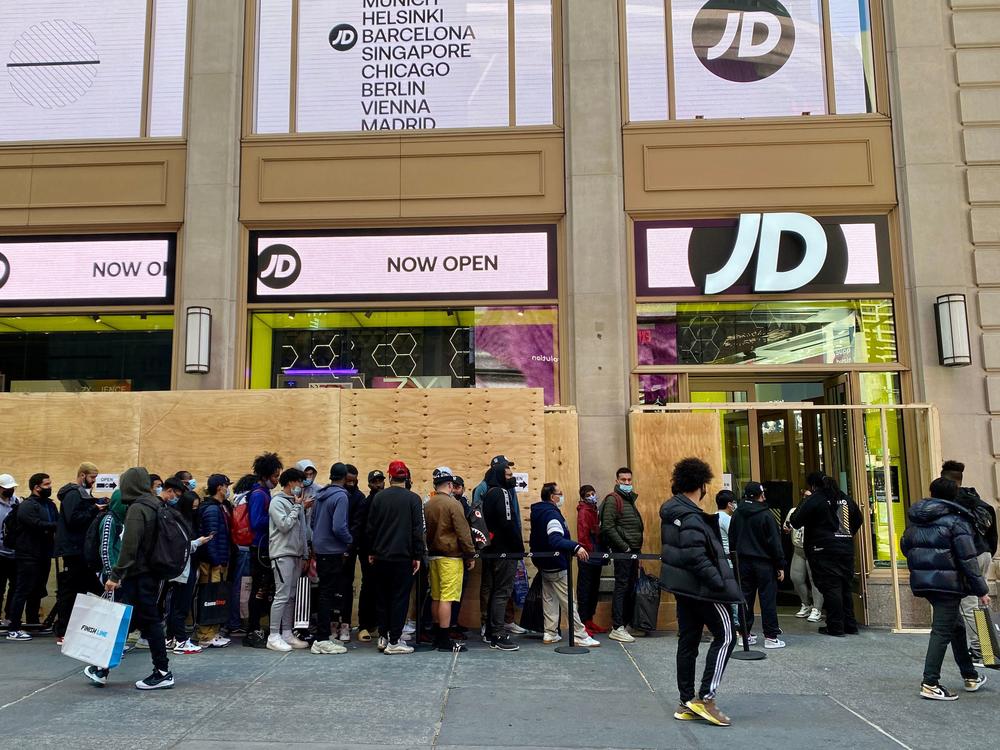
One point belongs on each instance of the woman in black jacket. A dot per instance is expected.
(696, 572)
(940, 550)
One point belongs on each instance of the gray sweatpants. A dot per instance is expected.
(286, 580)
(802, 579)
(969, 605)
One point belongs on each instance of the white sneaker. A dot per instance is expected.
(294, 641)
(276, 643)
(621, 634)
(142, 643)
(804, 611)
(345, 633)
(382, 643)
(325, 647)
(751, 640)
(815, 616)
(587, 641)
(514, 629)
(550, 638)
(773, 643)
(410, 627)
(216, 642)
(187, 647)
(398, 648)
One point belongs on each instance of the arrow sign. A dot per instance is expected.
(522, 481)
(106, 483)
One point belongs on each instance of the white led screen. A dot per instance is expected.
(645, 36)
(360, 266)
(74, 70)
(49, 271)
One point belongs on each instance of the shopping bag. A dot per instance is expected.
(520, 584)
(303, 602)
(246, 584)
(212, 605)
(647, 602)
(532, 617)
(988, 637)
(97, 630)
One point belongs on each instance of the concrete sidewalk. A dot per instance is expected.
(858, 693)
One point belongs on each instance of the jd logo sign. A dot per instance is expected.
(4, 270)
(278, 266)
(343, 37)
(763, 233)
(743, 40)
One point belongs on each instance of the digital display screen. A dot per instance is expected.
(436, 264)
(54, 271)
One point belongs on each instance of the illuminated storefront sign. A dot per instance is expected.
(82, 270)
(493, 263)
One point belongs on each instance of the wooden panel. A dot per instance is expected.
(562, 459)
(513, 174)
(326, 179)
(697, 168)
(222, 431)
(136, 184)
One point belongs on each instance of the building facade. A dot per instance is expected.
(628, 204)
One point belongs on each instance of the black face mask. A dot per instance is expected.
(45, 492)
(8, 493)
(511, 483)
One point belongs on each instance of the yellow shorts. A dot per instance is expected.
(446, 579)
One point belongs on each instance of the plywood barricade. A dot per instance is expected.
(658, 440)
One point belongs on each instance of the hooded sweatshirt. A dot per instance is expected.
(588, 531)
(76, 511)
(331, 532)
(140, 524)
(940, 550)
(500, 512)
(754, 534)
(258, 502)
(694, 563)
(289, 534)
(821, 516)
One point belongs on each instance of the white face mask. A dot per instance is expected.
(296, 491)
(560, 499)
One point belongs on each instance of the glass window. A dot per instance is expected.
(767, 333)
(656, 390)
(73, 353)
(482, 347)
(76, 70)
(748, 58)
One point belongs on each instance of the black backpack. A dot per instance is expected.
(172, 546)
(8, 532)
(92, 543)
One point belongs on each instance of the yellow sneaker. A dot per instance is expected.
(707, 710)
(683, 713)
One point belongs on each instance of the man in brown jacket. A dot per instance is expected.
(448, 539)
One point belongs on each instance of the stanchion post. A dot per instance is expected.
(418, 617)
(572, 648)
(746, 654)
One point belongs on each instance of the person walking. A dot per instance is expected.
(622, 531)
(288, 545)
(755, 537)
(588, 582)
(395, 533)
(34, 546)
(449, 540)
(503, 521)
(8, 567)
(830, 519)
(940, 549)
(549, 533)
(267, 469)
(77, 510)
(802, 577)
(331, 539)
(695, 571)
(213, 560)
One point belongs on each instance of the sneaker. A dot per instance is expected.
(187, 647)
(804, 611)
(142, 643)
(751, 639)
(773, 643)
(171, 644)
(452, 647)
(382, 643)
(276, 643)
(587, 642)
(973, 684)
(815, 616)
(398, 648)
(937, 693)
(18, 635)
(504, 643)
(683, 713)
(549, 638)
(325, 647)
(294, 641)
(364, 636)
(156, 681)
(345, 634)
(410, 627)
(706, 709)
(514, 629)
(622, 635)
(237, 632)
(977, 661)
(255, 639)
(217, 642)
(97, 675)
(593, 628)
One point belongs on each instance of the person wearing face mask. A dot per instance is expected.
(549, 533)
(332, 540)
(37, 520)
(367, 612)
(288, 544)
(504, 523)
(156, 484)
(588, 584)
(8, 569)
(213, 557)
(357, 514)
(696, 572)
(309, 486)
(622, 530)
(179, 593)
(189, 501)
(77, 509)
(267, 469)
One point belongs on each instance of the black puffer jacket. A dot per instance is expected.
(694, 563)
(940, 550)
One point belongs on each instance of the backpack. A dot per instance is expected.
(9, 529)
(92, 543)
(171, 549)
(239, 530)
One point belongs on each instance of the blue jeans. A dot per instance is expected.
(238, 568)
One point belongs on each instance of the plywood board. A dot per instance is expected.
(562, 459)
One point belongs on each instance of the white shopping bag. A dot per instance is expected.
(246, 583)
(97, 630)
(303, 594)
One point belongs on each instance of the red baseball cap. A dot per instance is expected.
(398, 470)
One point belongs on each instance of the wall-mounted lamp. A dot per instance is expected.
(199, 340)
(952, 318)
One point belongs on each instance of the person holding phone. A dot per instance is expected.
(288, 542)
